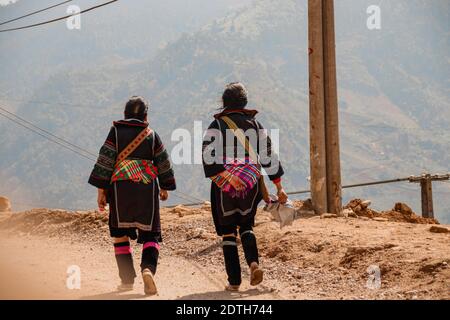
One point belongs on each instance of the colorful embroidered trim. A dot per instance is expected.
(151, 244)
(134, 144)
(123, 250)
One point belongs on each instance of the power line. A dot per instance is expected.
(60, 18)
(180, 194)
(357, 185)
(190, 204)
(176, 193)
(86, 151)
(35, 12)
(177, 112)
(49, 133)
(364, 184)
(375, 183)
(46, 137)
(190, 196)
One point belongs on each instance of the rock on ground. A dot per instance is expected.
(5, 204)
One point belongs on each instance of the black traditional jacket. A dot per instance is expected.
(151, 149)
(245, 120)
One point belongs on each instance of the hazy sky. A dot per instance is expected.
(6, 2)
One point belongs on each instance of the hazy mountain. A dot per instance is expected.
(125, 31)
(393, 92)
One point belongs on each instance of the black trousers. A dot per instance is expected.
(231, 254)
(124, 259)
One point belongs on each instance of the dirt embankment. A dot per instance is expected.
(401, 212)
(312, 259)
(5, 204)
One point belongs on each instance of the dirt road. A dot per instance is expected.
(37, 267)
(312, 259)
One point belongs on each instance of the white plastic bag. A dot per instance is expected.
(285, 214)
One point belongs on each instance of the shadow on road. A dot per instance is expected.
(115, 295)
(225, 295)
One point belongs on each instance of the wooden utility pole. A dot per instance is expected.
(326, 189)
(426, 186)
(334, 188)
(318, 165)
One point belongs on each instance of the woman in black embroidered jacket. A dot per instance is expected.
(132, 174)
(235, 188)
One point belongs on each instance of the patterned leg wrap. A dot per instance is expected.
(231, 257)
(150, 254)
(248, 240)
(125, 262)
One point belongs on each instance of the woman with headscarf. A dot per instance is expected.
(132, 174)
(233, 160)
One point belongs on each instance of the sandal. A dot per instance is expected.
(125, 287)
(256, 274)
(232, 288)
(149, 282)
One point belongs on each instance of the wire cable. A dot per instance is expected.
(49, 133)
(46, 137)
(190, 196)
(58, 19)
(178, 194)
(34, 129)
(364, 184)
(35, 12)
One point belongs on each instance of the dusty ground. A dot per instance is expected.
(312, 259)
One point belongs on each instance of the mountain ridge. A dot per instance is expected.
(385, 132)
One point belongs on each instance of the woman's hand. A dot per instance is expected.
(281, 194)
(163, 195)
(101, 199)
